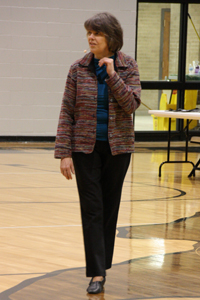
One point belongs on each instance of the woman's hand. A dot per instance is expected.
(109, 62)
(67, 167)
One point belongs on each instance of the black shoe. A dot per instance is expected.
(96, 287)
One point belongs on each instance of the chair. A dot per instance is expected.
(195, 139)
(190, 100)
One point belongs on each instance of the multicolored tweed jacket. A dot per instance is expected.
(77, 123)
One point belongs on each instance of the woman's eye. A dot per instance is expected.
(95, 33)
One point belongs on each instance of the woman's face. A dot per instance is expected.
(98, 44)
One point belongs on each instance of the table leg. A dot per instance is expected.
(186, 142)
(186, 151)
(168, 147)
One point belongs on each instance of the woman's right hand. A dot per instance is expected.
(67, 167)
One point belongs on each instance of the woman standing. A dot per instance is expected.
(95, 137)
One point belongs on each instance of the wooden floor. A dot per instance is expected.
(157, 253)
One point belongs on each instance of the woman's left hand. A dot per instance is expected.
(109, 62)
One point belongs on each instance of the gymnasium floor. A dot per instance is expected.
(157, 252)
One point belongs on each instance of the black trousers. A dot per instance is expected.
(99, 177)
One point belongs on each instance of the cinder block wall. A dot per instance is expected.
(148, 49)
(193, 44)
(39, 39)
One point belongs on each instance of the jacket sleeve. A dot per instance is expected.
(127, 92)
(64, 130)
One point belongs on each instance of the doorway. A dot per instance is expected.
(164, 43)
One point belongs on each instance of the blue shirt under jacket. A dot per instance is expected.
(102, 102)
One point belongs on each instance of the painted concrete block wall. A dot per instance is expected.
(193, 45)
(149, 43)
(148, 49)
(39, 40)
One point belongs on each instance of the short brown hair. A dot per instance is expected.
(106, 23)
